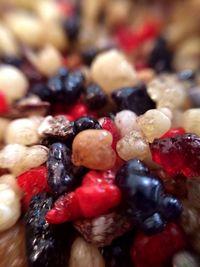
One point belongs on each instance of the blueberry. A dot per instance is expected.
(95, 97)
(153, 224)
(88, 55)
(72, 27)
(85, 123)
(42, 91)
(73, 87)
(133, 98)
(160, 58)
(56, 88)
(12, 60)
(59, 166)
(170, 207)
(43, 246)
(146, 204)
(187, 75)
(62, 73)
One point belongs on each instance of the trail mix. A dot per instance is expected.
(99, 133)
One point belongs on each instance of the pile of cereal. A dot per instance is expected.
(99, 133)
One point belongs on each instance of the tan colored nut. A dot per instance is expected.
(125, 121)
(48, 10)
(8, 45)
(13, 82)
(47, 61)
(3, 126)
(34, 157)
(11, 180)
(133, 146)
(56, 36)
(19, 158)
(111, 71)
(154, 124)
(191, 120)
(84, 254)
(184, 259)
(10, 209)
(27, 28)
(91, 9)
(92, 149)
(22, 131)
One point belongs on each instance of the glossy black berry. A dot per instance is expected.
(42, 243)
(42, 90)
(72, 27)
(187, 75)
(95, 97)
(62, 73)
(85, 123)
(88, 55)
(73, 87)
(160, 57)
(56, 87)
(12, 60)
(59, 166)
(133, 98)
(147, 206)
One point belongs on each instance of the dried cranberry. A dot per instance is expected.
(110, 126)
(173, 132)
(3, 103)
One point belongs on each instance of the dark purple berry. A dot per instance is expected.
(88, 55)
(42, 91)
(133, 98)
(42, 245)
(72, 27)
(73, 87)
(56, 87)
(148, 207)
(12, 60)
(187, 75)
(160, 57)
(59, 166)
(95, 97)
(62, 73)
(85, 123)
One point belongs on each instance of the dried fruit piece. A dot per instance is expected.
(178, 154)
(84, 254)
(92, 149)
(109, 125)
(173, 132)
(145, 249)
(101, 230)
(60, 177)
(31, 183)
(42, 244)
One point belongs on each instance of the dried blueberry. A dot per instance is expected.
(187, 75)
(72, 27)
(85, 123)
(12, 60)
(73, 87)
(42, 244)
(42, 91)
(133, 98)
(160, 57)
(62, 73)
(56, 88)
(88, 55)
(59, 166)
(95, 97)
(147, 205)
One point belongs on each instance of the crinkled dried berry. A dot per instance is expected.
(95, 97)
(84, 123)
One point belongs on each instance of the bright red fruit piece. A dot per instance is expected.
(32, 182)
(110, 126)
(78, 110)
(95, 200)
(3, 103)
(101, 177)
(178, 154)
(173, 132)
(158, 250)
(66, 208)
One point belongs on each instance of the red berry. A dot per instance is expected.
(32, 182)
(95, 177)
(78, 110)
(158, 250)
(95, 200)
(178, 154)
(66, 208)
(173, 132)
(3, 103)
(110, 126)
